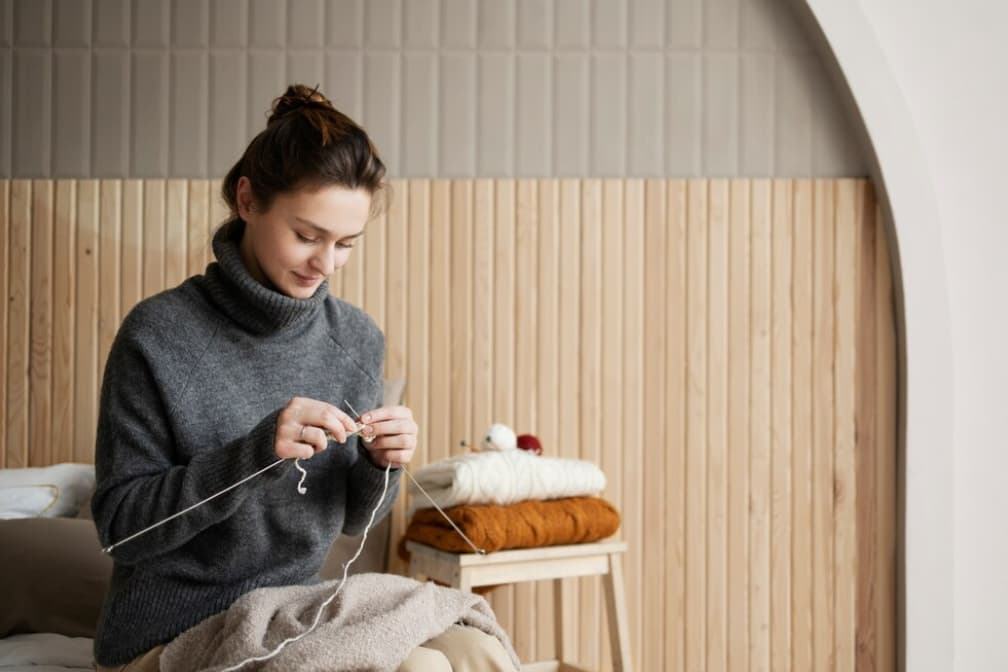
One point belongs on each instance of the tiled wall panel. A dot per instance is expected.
(149, 146)
(111, 23)
(523, 88)
(110, 96)
(227, 114)
(71, 132)
(31, 111)
(420, 131)
(72, 23)
(5, 112)
(496, 122)
(189, 104)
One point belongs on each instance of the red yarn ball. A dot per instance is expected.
(530, 443)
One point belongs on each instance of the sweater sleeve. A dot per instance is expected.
(139, 482)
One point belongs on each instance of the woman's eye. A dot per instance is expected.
(345, 246)
(305, 239)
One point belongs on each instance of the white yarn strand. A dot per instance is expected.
(318, 614)
(108, 549)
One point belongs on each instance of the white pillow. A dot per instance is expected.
(57, 491)
(27, 501)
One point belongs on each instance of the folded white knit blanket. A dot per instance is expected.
(504, 477)
(372, 626)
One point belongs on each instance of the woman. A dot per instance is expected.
(235, 370)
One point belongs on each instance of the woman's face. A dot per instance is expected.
(303, 237)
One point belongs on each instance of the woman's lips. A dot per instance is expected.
(305, 281)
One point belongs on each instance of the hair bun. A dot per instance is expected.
(297, 97)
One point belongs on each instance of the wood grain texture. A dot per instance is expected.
(724, 349)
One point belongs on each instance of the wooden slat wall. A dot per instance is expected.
(724, 349)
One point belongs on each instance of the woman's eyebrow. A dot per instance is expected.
(326, 232)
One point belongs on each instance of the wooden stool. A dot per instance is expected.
(466, 571)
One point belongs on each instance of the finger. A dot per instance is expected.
(330, 418)
(390, 427)
(386, 413)
(315, 437)
(395, 442)
(288, 449)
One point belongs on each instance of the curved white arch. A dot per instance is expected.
(926, 598)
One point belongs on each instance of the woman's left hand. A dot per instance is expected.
(389, 435)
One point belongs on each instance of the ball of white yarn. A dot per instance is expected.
(499, 437)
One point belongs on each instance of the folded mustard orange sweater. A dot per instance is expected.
(528, 524)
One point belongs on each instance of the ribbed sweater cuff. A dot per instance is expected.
(249, 454)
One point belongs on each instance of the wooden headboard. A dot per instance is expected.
(724, 349)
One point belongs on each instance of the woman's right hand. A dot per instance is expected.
(302, 426)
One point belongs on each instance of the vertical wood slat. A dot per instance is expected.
(865, 443)
(502, 318)
(5, 299)
(219, 214)
(843, 493)
(653, 482)
(677, 214)
(176, 228)
(782, 428)
(761, 438)
(802, 616)
(197, 234)
(548, 389)
(132, 231)
(461, 341)
(591, 633)
(717, 416)
(64, 242)
(795, 511)
(739, 422)
(40, 320)
(373, 255)
(612, 347)
(885, 444)
(822, 455)
(153, 237)
(569, 434)
(633, 414)
(696, 426)
(397, 333)
(18, 321)
(440, 392)
(525, 398)
(110, 265)
(87, 378)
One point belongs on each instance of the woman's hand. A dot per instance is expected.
(304, 426)
(389, 435)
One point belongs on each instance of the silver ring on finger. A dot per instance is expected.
(301, 433)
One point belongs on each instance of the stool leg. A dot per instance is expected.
(558, 629)
(619, 631)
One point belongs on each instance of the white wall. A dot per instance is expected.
(947, 61)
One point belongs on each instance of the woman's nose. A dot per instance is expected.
(325, 260)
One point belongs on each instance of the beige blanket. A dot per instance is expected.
(373, 624)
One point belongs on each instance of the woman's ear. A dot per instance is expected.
(245, 198)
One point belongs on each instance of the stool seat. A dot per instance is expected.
(466, 571)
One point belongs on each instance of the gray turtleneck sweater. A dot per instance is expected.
(192, 388)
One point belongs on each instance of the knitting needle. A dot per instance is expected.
(108, 549)
(462, 534)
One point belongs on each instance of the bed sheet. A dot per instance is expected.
(45, 652)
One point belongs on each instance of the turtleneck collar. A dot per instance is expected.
(243, 298)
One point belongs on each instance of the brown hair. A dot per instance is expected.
(307, 143)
